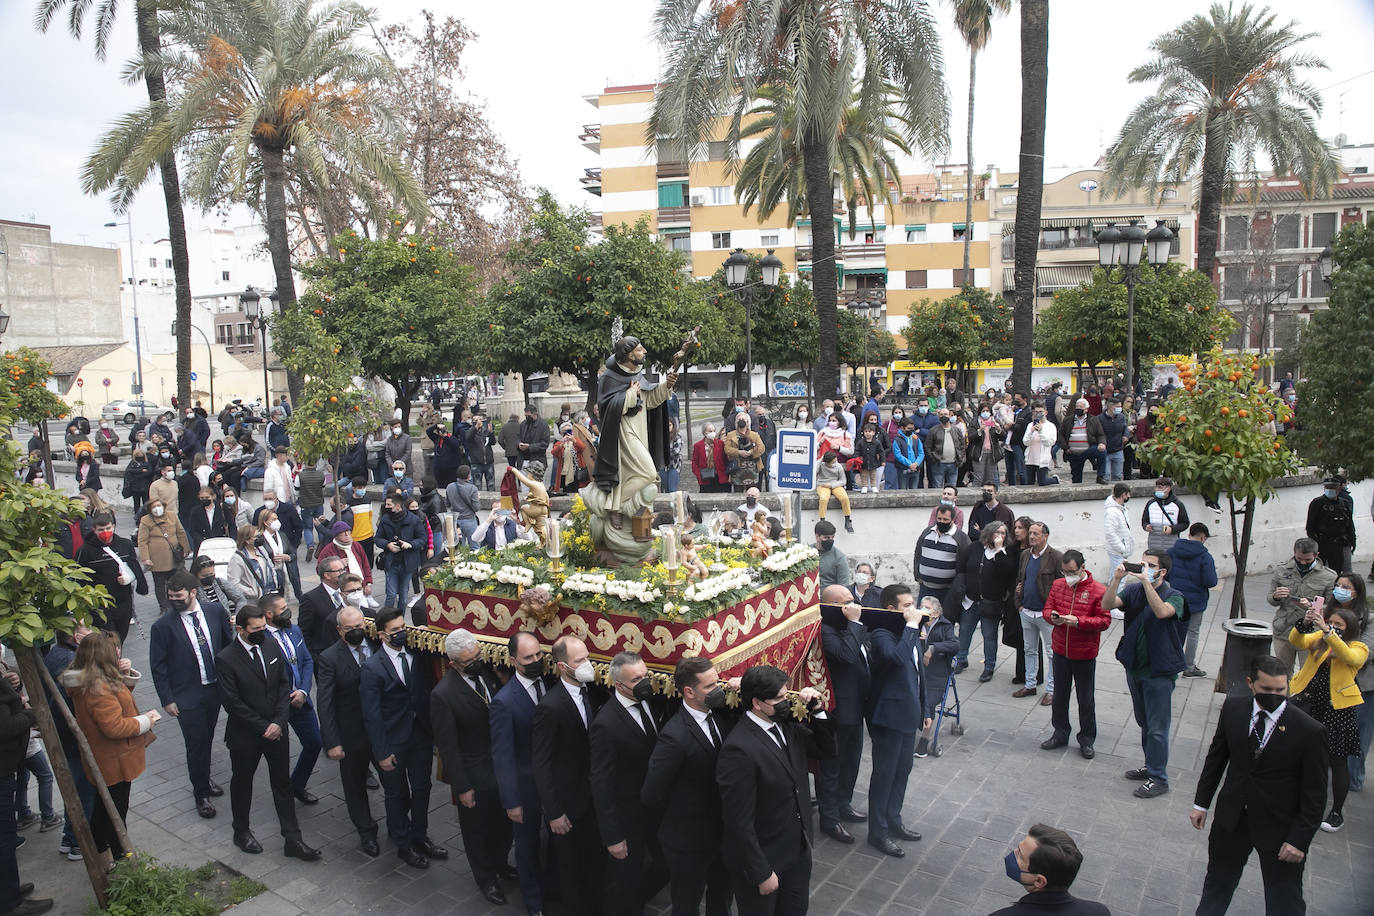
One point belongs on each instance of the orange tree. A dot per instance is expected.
(969, 327)
(26, 377)
(1215, 434)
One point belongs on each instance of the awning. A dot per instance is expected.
(1066, 277)
(867, 270)
(910, 227)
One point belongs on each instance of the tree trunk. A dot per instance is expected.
(1240, 549)
(278, 245)
(29, 668)
(968, 195)
(1209, 203)
(150, 42)
(1035, 49)
(47, 452)
(820, 198)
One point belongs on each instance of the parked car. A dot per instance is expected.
(129, 410)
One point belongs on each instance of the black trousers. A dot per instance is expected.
(244, 763)
(636, 879)
(197, 715)
(486, 835)
(696, 874)
(528, 835)
(1227, 853)
(102, 828)
(353, 777)
(406, 786)
(792, 897)
(581, 866)
(837, 776)
(1081, 673)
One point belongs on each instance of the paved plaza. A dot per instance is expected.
(973, 803)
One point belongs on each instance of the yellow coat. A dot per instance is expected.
(1346, 659)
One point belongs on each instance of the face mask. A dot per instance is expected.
(825, 544)
(397, 512)
(944, 526)
(355, 637)
(165, 454)
(750, 501)
(395, 431)
(715, 698)
(282, 621)
(255, 639)
(584, 673)
(104, 426)
(269, 505)
(782, 711)
(1040, 418)
(989, 497)
(1305, 567)
(206, 501)
(167, 474)
(1013, 867)
(1269, 701)
(230, 500)
(643, 691)
(207, 580)
(473, 668)
(354, 598)
(108, 536)
(397, 639)
(1079, 413)
(1342, 594)
(157, 511)
(711, 434)
(178, 604)
(897, 416)
(1073, 580)
(861, 578)
(739, 409)
(399, 474)
(1160, 494)
(534, 670)
(1151, 574)
(923, 410)
(833, 425)
(802, 414)
(827, 410)
(944, 421)
(947, 502)
(1116, 410)
(985, 415)
(275, 525)
(1330, 494)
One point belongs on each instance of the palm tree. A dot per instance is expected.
(258, 80)
(773, 174)
(721, 55)
(149, 42)
(1035, 56)
(1230, 88)
(973, 19)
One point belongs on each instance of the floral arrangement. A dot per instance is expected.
(522, 576)
(475, 570)
(782, 561)
(713, 587)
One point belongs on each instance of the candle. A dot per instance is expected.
(680, 508)
(787, 496)
(670, 553)
(450, 535)
(554, 546)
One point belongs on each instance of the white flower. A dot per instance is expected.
(515, 575)
(472, 569)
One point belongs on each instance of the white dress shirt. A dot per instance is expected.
(575, 691)
(395, 656)
(188, 620)
(529, 684)
(700, 719)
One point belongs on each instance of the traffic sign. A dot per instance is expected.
(81, 383)
(796, 458)
(193, 376)
(105, 382)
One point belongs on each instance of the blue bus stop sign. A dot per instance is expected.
(796, 459)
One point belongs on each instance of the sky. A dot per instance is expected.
(533, 70)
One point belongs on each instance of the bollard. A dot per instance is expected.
(1246, 640)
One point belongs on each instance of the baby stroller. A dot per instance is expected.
(221, 550)
(949, 707)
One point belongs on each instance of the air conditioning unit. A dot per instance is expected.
(698, 200)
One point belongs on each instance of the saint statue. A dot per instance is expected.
(634, 446)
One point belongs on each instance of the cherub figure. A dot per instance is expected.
(690, 561)
(758, 534)
(536, 604)
(534, 508)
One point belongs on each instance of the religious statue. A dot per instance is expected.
(633, 448)
(691, 561)
(534, 508)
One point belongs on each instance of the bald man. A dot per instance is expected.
(846, 655)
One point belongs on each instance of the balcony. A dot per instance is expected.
(853, 252)
(850, 297)
(804, 253)
(672, 170)
(591, 137)
(674, 216)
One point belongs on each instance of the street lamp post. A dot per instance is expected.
(870, 310)
(210, 353)
(1326, 263)
(1124, 248)
(133, 295)
(251, 301)
(737, 278)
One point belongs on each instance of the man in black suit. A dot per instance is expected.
(182, 649)
(318, 607)
(1274, 757)
(899, 701)
(395, 697)
(458, 712)
(512, 741)
(765, 795)
(255, 687)
(846, 656)
(562, 772)
(338, 672)
(1045, 864)
(113, 564)
(622, 739)
(680, 784)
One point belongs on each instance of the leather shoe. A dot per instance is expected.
(411, 857)
(215, 790)
(26, 888)
(887, 847)
(1024, 692)
(1019, 680)
(494, 894)
(507, 873)
(837, 832)
(1053, 744)
(985, 677)
(1047, 699)
(901, 833)
(1087, 752)
(306, 798)
(370, 848)
(429, 850)
(205, 809)
(295, 849)
(248, 843)
(848, 814)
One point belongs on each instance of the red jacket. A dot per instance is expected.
(699, 460)
(1083, 601)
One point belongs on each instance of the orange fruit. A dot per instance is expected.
(333, 399)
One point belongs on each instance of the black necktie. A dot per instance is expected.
(647, 719)
(257, 657)
(1257, 733)
(538, 690)
(405, 669)
(207, 657)
(715, 732)
(481, 689)
(586, 709)
(777, 736)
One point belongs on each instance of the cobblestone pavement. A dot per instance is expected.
(1142, 858)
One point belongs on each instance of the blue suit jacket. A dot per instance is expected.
(396, 716)
(172, 657)
(899, 684)
(303, 671)
(512, 740)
